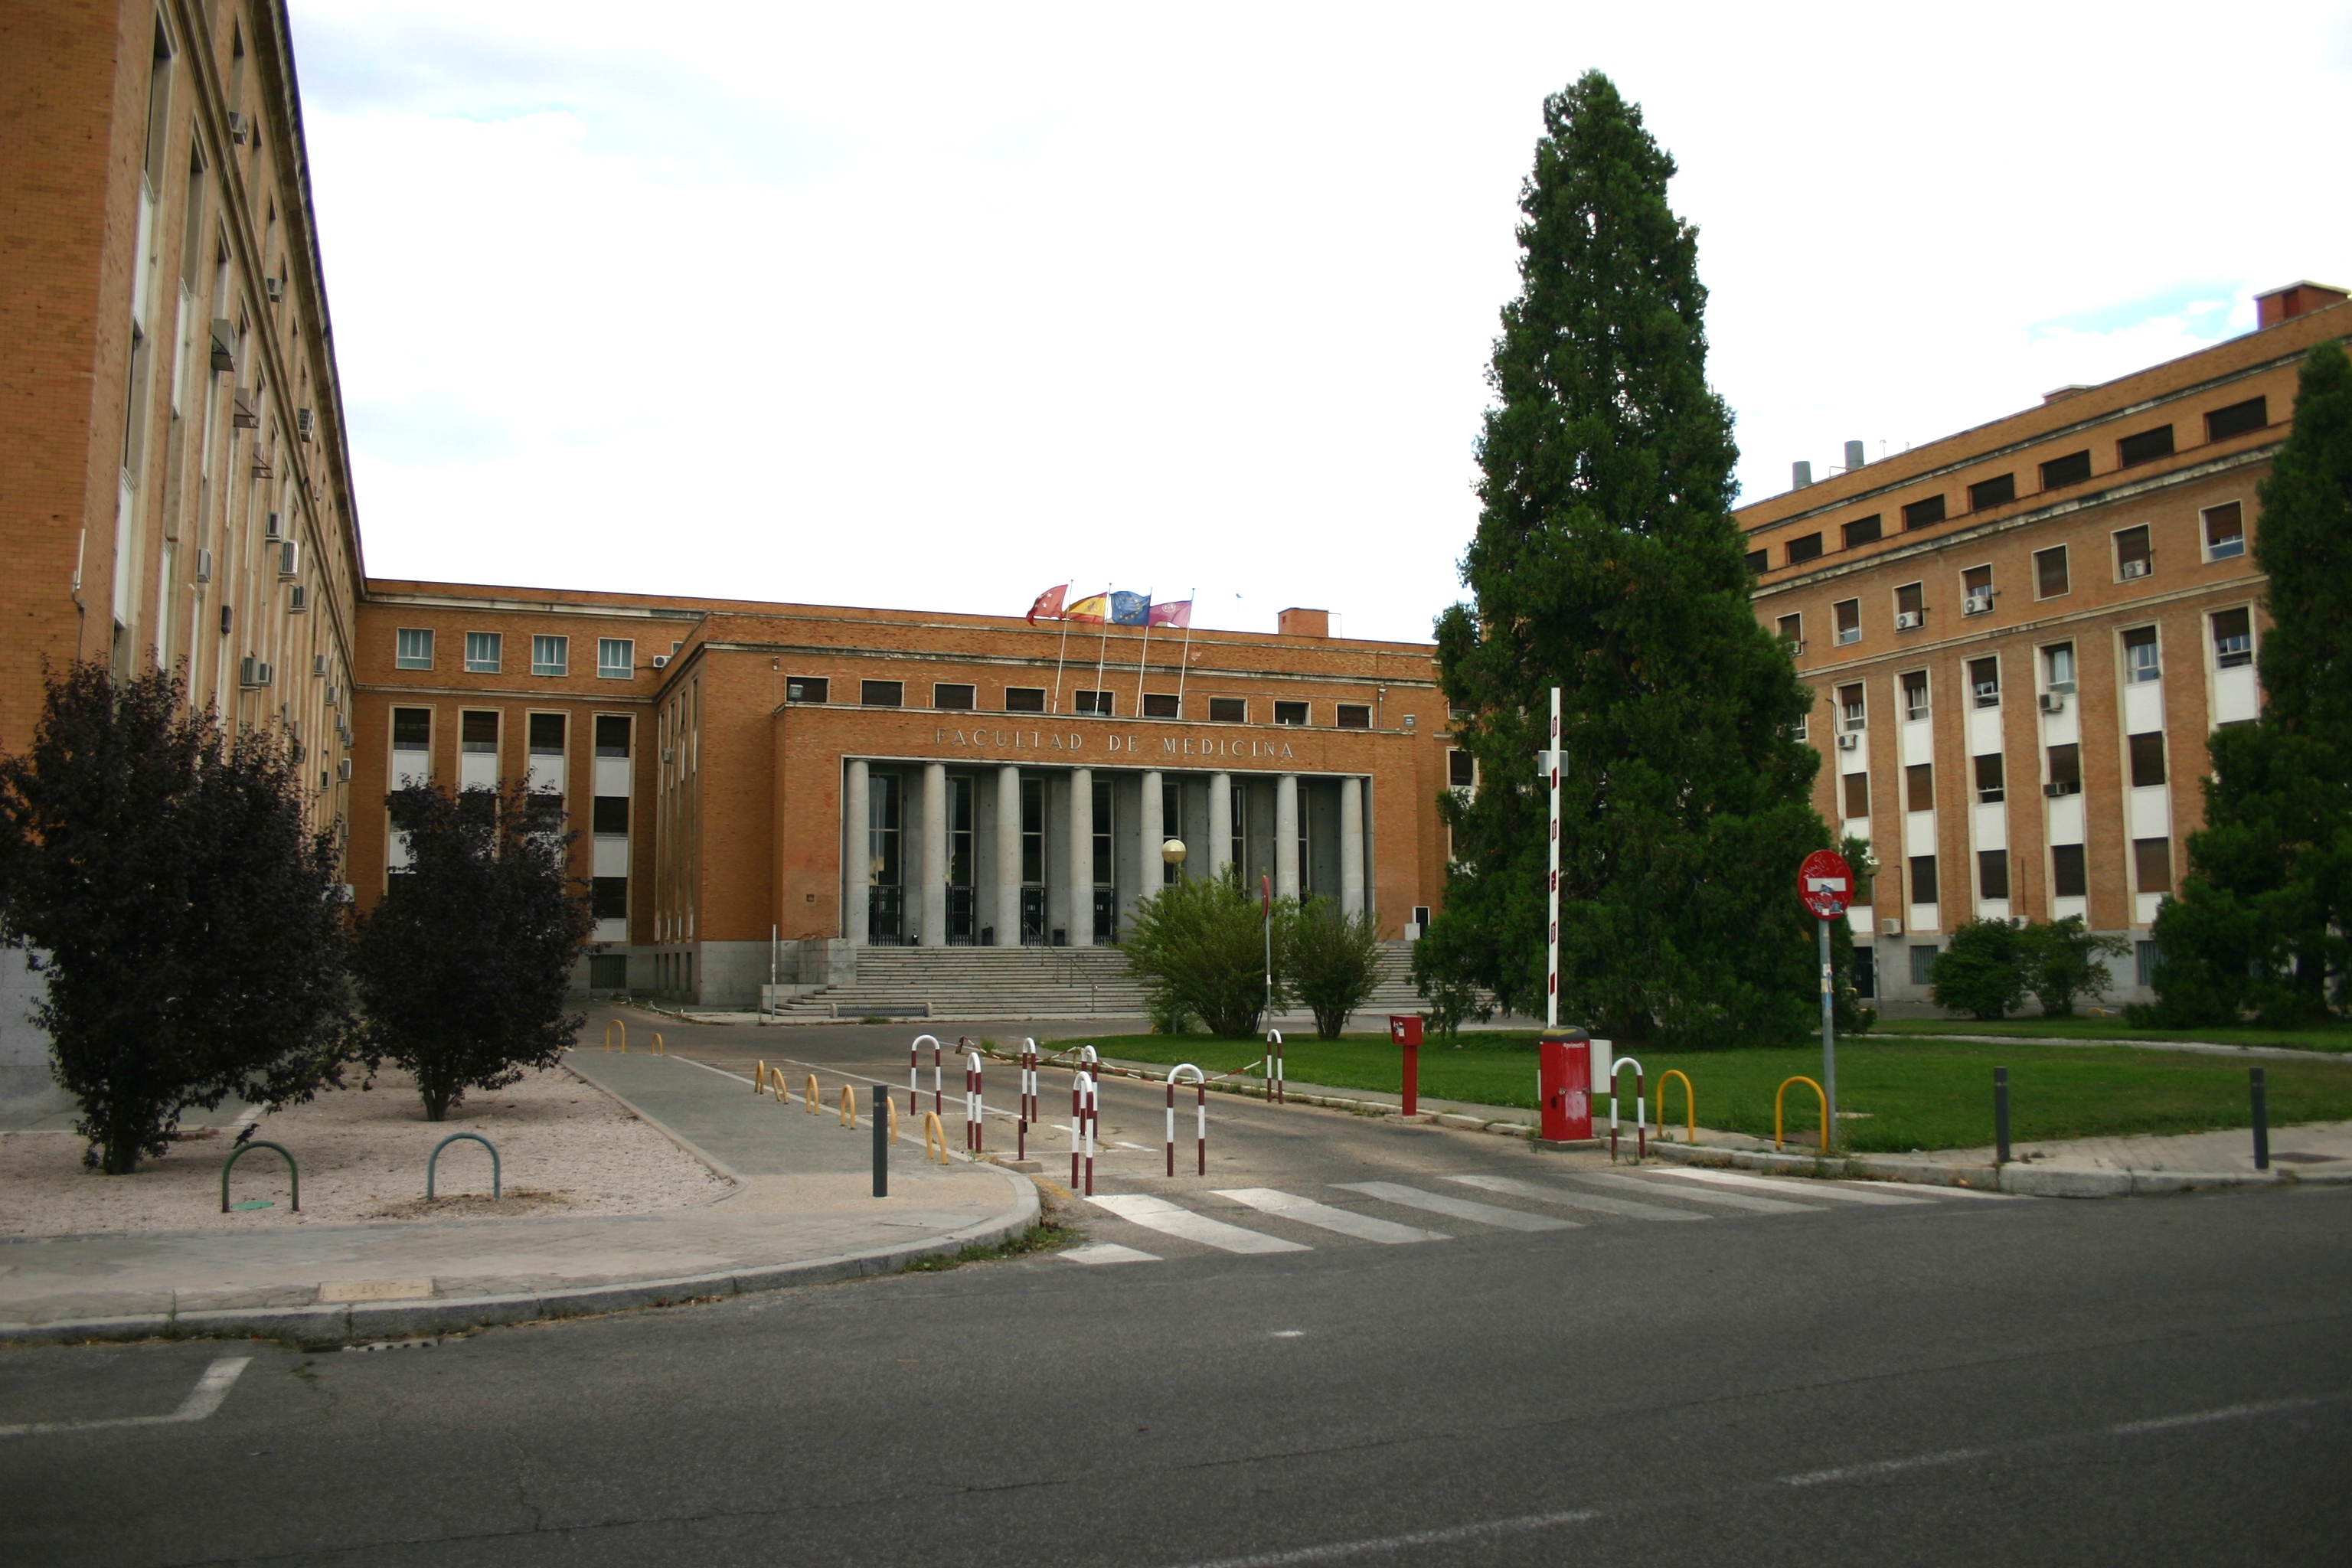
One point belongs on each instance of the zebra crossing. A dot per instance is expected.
(1676, 1195)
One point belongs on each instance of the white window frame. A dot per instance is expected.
(622, 668)
(1969, 605)
(403, 639)
(2132, 676)
(496, 643)
(558, 666)
(2213, 643)
(2205, 537)
(1842, 637)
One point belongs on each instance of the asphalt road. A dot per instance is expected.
(1954, 1380)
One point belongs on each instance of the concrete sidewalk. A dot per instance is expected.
(801, 1211)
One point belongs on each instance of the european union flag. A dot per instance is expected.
(1130, 609)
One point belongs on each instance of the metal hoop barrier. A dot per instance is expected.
(496, 1191)
(811, 1093)
(914, 1067)
(242, 1149)
(659, 1049)
(975, 1108)
(1274, 1085)
(760, 1079)
(933, 1129)
(1028, 1096)
(1201, 1114)
(1824, 1099)
(1641, 1125)
(1083, 1116)
(1690, 1105)
(848, 1106)
(611, 1025)
(891, 1104)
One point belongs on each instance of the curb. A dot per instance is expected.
(2024, 1180)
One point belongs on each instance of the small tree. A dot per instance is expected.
(1329, 960)
(463, 968)
(2062, 961)
(187, 922)
(1440, 976)
(1200, 948)
(1982, 972)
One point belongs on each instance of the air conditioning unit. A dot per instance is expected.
(1908, 620)
(2053, 702)
(666, 753)
(204, 565)
(224, 344)
(1849, 742)
(2056, 791)
(661, 661)
(1988, 693)
(319, 664)
(1978, 604)
(1890, 928)
(298, 599)
(334, 694)
(240, 127)
(252, 673)
(275, 528)
(275, 288)
(305, 420)
(343, 769)
(2137, 569)
(289, 559)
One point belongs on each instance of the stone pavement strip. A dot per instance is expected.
(801, 1211)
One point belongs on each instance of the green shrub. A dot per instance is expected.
(1200, 949)
(1329, 960)
(2062, 962)
(1983, 972)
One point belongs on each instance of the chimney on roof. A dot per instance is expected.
(1303, 623)
(1854, 457)
(2060, 393)
(2290, 300)
(1800, 475)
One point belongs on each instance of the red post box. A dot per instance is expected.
(1404, 1028)
(1564, 1084)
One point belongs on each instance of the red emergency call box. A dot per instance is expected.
(1564, 1085)
(1404, 1028)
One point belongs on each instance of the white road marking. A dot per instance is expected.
(1347, 1222)
(1882, 1467)
(1109, 1252)
(1457, 1208)
(1333, 1552)
(1837, 1190)
(1701, 1195)
(2199, 1418)
(201, 1402)
(1625, 1208)
(1159, 1214)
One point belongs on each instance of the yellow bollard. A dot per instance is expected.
(811, 1093)
(660, 1050)
(1824, 1099)
(760, 1081)
(611, 1025)
(932, 1127)
(848, 1106)
(891, 1102)
(1690, 1105)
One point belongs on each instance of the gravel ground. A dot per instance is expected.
(565, 1147)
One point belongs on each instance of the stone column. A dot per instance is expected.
(934, 903)
(1152, 831)
(1286, 836)
(856, 854)
(1082, 858)
(1219, 848)
(1351, 845)
(1008, 857)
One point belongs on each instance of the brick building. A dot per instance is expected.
(2019, 637)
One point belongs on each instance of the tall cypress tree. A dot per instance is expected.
(1607, 562)
(2261, 920)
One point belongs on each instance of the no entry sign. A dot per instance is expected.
(1825, 882)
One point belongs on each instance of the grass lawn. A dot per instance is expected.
(1918, 1094)
(2337, 1037)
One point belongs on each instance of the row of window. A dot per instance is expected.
(477, 730)
(2063, 766)
(2069, 874)
(616, 658)
(962, 698)
(2058, 473)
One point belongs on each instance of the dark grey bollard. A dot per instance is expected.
(881, 1145)
(2001, 1116)
(2261, 1120)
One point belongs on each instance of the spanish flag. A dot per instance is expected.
(1094, 608)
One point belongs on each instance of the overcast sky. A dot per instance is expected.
(932, 307)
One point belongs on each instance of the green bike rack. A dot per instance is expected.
(242, 1149)
(436, 1160)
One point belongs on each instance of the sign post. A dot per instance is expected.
(1551, 913)
(1825, 883)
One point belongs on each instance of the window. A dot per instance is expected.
(550, 655)
(1102, 704)
(882, 693)
(547, 734)
(1847, 614)
(2146, 758)
(1910, 606)
(1992, 873)
(2071, 470)
(612, 735)
(1290, 712)
(1863, 530)
(1865, 974)
(1857, 794)
(2067, 877)
(2237, 419)
(807, 688)
(2050, 573)
(2145, 448)
(616, 659)
(1919, 790)
(1914, 694)
(1460, 770)
(1984, 681)
(1986, 494)
(482, 650)
(2066, 770)
(608, 898)
(413, 648)
(2225, 530)
(2058, 666)
(1922, 964)
(610, 814)
(2132, 558)
(1759, 562)
(2140, 659)
(1991, 790)
(954, 697)
(1976, 591)
(1354, 716)
(1229, 710)
(2152, 864)
(1025, 699)
(479, 731)
(2233, 639)
(1923, 879)
(2145, 954)
(1792, 632)
(1164, 705)
(1921, 514)
(1850, 706)
(412, 729)
(1806, 548)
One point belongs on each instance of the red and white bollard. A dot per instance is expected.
(1274, 1067)
(914, 1071)
(1028, 1095)
(1083, 1121)
(975, 1107)
(1640, 1116)
(1200, 1123)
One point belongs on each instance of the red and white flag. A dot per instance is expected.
(1048, 605)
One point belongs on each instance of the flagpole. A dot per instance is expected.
(1185, 659)
(1102, 651)
(1060, 656)
(1145, 654)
